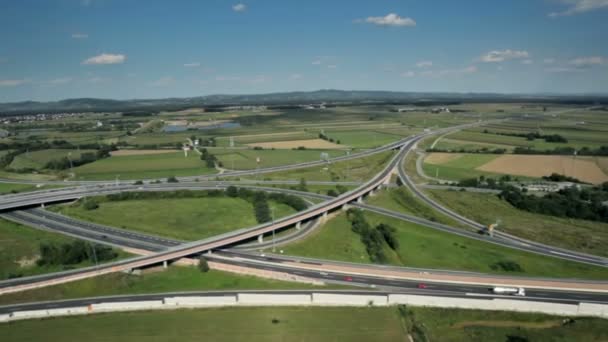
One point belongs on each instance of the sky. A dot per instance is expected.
(124, 49)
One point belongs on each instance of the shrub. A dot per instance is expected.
(203, 266)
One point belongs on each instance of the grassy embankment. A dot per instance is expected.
(19, 250)
(585, 236)
(428, 248)
(310, 324)
(173, 279)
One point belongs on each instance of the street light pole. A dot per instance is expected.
(273, 243)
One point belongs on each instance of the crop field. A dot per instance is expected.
(182, 219)
(427, 248)
(246, 159)
(143, 166)
(38, 160)
(310, 143)
(581, 235)
(120, 153)
(363, 139)
(586, 169)
(453, 166)
(19, 250)
(156, 139)
(360, 169)
(105, 137)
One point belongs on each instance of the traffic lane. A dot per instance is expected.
(61, 219)
(391, 283)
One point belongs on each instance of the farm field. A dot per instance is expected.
(363, 139)
(581, 235)
(360, 169)
(179, 218)
(19, 250)
(457, 166)
(121, 153)
(37, 160)
(587, 169)
(427, 248)
(291, 144)
(172, 279)
(246, 159)
(143, 166)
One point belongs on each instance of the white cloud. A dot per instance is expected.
(548, 60)
(80, 36)
(580, 6)
(316, 62)
(583, 62)
(192, 65)
(239, 7)
(259, 79)
(96, 80)
(105, 58)
(503, 55)
(390, 19)
(424, 64)
(332, 66)
(162, 82)
(527, 61)
(13, 83)
(408, 74)
(295, 76)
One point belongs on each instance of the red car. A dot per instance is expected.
(422, 286)
(348, 278)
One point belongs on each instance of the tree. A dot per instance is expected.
(172, 179)
(302, 186)
(332, 193)
(203, 266)
(90, 204)
(232, 191)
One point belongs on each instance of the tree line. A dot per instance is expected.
(373, 238)
(531, 136)
(74, 253)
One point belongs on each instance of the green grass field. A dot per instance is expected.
(240, 159)
(461, 168)
(173, 279)
(223, 324)
(144, 166)
(183, 218)
(37, 160)
(19, 249)
(309, 324)
(7, 188)
(585, 236)
(428, 248)
(363, 138)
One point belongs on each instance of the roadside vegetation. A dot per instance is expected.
(581, 235)
(424, 247)
(27, 251)
(172, 279)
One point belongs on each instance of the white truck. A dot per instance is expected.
(513, 291)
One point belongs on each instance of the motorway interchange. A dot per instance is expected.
(227, 248)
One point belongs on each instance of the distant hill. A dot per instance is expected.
(281, 99)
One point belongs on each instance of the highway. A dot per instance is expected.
(192, 248)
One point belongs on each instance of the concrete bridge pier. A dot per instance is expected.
(165, 264)
(261, 238)
(345, 207)
(298, 225)
(360, 199)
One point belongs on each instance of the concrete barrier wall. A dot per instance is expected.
(320, 299)
(274, 299)
(348, 299)
(592, 309)
(128, 306)
(200, 301)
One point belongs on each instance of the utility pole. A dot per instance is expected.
(117, 176)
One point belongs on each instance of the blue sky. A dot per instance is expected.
(55, 49)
